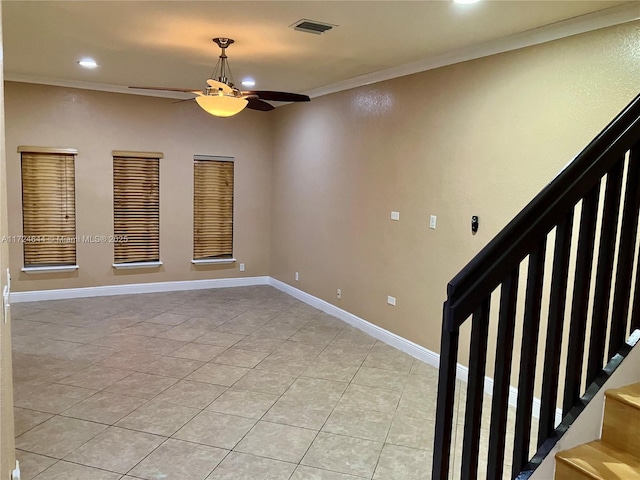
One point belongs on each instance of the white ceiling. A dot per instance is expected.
(168, 43)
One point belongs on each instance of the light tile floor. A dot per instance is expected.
(225, 384)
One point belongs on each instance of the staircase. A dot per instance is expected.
(543, 309)
(616, 456)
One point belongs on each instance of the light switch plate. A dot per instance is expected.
(391, 300)
(432, 222)
(395, 215)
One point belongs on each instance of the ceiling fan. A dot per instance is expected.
(221, 98)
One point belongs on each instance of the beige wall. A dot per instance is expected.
(476, 138)
(96, 123)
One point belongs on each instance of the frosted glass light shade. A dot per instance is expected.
(221, 105)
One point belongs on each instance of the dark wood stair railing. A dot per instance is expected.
(581, 204)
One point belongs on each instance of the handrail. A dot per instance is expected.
(596, 175)
(485, 271)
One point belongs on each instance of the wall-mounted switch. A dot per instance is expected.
(339, 294)
(395, 215)
(242, 267)
(297, 276)
(432, 222)
(391, 300)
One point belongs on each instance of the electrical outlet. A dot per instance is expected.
(339, 294)
(242, 267)
(297, 276)
(391, 300)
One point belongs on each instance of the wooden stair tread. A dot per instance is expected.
(629, 395)
(600, 461)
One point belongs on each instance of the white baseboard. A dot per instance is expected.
(108, 290)
(379, 333)
(390, 338)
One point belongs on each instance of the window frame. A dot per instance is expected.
(144, 156)
(198, 160)
(48, 267)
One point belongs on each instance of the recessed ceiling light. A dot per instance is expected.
(87, 63)
(465, 2)
(248, 82)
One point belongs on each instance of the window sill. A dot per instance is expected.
(213, 261)
(51, 269)
(124, 266)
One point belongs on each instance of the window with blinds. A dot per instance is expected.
(48, 206)
(212, 208)
(136, 207)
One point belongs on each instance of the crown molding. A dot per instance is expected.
(101, 87)
(609, 17)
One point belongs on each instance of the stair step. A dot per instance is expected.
(629, 394)
(596, 461)
(621, 423)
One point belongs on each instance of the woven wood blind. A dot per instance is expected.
(48, 209)
(213, 209)
(136, 205)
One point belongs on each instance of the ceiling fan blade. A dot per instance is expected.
(257, 104)
(168, 89)
(214, 84)
(185, 100)
(278, 96)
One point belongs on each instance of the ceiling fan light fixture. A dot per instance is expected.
(221, 105)
(222, 99)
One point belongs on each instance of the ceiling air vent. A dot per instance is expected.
(311, 26)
